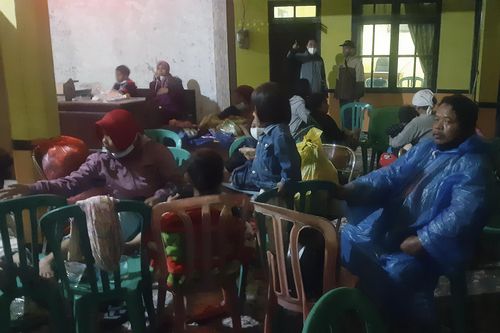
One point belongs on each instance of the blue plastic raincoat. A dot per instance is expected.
(441, 197)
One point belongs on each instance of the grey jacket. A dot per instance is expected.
(312, 69)
(417, 129)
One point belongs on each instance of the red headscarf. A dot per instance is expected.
(120, 126)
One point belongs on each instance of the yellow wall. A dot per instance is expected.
(28, 74)
(336, 21)
(489, 58)
(252, 65)
(455, 44)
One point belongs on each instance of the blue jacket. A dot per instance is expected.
(276, 158)
(440, 196)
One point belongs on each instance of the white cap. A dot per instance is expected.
(423, 98)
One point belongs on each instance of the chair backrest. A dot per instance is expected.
(180, 155)
(236, 144)
(407, 82)
(214, 232)
(326, 313)
(344, 160)
(24, 212)
(53, 224)
(380, 120)
(313, 197)
(285, 222)
(357, 114)
(164, 136)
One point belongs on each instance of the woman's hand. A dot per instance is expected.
(14, 190)
(249, 153)
(162, 91)
(412, 246)
(151, 201)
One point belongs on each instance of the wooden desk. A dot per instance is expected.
(77, 118)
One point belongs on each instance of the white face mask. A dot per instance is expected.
(256, 132)
(162, 78)
(311, 50)
(119, 154)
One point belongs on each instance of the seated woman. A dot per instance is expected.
(419, 127)
(277, 160)
(131, 166)
(124, 85)
(166, 94)
(300, 115)
(419, 217)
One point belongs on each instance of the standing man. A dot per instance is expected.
(312, 66)
(350, 85)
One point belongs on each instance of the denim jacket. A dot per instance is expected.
(276, 159)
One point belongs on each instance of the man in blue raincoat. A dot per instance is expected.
(420, 217)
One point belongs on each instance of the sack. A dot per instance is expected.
(315, 163)
(61, 155)
(104, 231)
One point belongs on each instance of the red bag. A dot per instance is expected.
(61, 155)
(387, 159)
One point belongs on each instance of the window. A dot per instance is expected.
(398, 42)
(287, 12)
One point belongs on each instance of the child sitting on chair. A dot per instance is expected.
(124, 85)
(277, 160)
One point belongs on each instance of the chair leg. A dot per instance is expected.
(179, 313)
(86, 316)
(364, 155)
(4, 314)
(242, 285)
(135, 311)
(372, 160)
(147, 294)
(271, 309)
(232, 304)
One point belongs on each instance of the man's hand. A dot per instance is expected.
(295, 45)
(412, 246)
(14, 190)
(151, 201)
(162, 91)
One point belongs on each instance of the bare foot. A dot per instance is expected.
(45, 266)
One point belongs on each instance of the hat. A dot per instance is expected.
(423, 98)
(120, 126)
(349, 43)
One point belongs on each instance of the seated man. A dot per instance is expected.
(420, 217)
(124, 85)
(419, 127)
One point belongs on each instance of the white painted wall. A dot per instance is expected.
(91, 37)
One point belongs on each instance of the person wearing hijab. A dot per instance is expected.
(166, 93)
(419, 127)
(130, 166)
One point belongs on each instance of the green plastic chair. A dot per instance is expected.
(180, 155)
(163, 136)
(93, 291)
(378, 140)
(22, 279)
(357, 114)
(237, 144)
(326, 313)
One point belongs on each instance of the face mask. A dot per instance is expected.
(242, 106)
(256, 132)
(311, 50)
(123, 153)
(162, 78)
